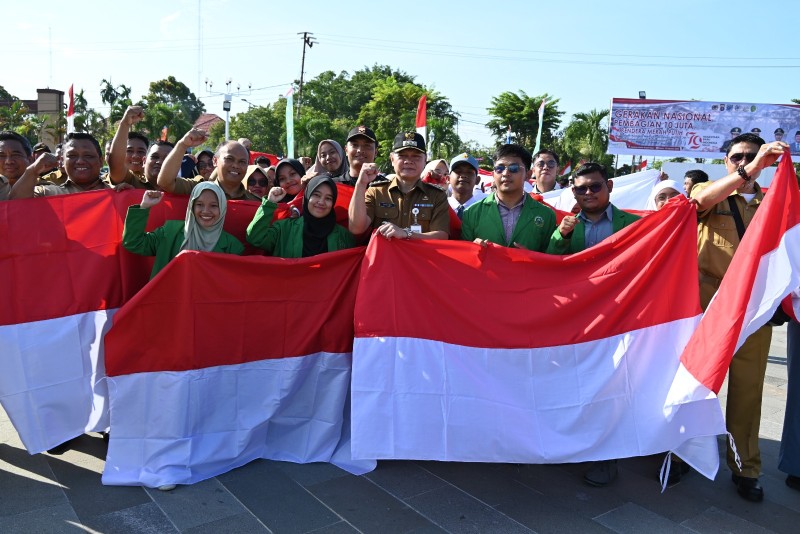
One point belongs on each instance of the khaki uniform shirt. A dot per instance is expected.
(56, 177)
(717, 237)
(385, 202)
(138, 181)
(5, 187)
(184, 186)
(66, 188)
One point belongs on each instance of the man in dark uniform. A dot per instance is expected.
(405, 207)
(779, 134)
(734, 133)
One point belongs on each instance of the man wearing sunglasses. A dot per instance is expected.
(545, 169)
(509, 216)
(598, 217)
(718, 236)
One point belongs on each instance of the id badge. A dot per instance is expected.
(416, 228)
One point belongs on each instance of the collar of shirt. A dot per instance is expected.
(609, 214)
(396, 184)
(501, 203)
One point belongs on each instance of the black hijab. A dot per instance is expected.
(316, 230)
(297, 166)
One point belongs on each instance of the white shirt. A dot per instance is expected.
(476, 197)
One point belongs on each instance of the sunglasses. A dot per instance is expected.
(738, 157)
(582, 189)
(513, 168)
(260, 183)
(549, 164)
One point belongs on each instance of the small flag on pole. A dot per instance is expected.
(567, 169)
(643, 165)
(290, 123)
(541, 123)
(422, 124)
(71, 110)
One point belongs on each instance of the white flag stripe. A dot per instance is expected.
(590, 401)
(184, 427)
(777, 276)
(51, 385)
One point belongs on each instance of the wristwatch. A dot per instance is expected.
(408, 232)
(743, 173)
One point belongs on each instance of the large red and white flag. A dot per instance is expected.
(529, 357)
(764, 270)
(422, 120)
(71, 109)
(221, 360)
(70, 275)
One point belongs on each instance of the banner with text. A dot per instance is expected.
(680, 128)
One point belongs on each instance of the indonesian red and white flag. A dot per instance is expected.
(567, 169)
(422, 120)
(643, 165)
(221, 360)
(71, 109)
(70, 275)
(764, 270)
(530, 357)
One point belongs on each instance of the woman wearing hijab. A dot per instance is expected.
(202, 229)
(288, 173)
(662, 191)
(330, 160)
(312, 233)
(436, 173)
(256, 180)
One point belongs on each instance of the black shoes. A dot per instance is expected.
(601, 473)
(793, 482)
(676, 472)
(749, 488)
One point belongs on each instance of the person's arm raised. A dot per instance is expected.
(172, 164)
(117, 168)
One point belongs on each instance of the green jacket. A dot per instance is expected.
(576, 242)
(284, 238)
(165, 241)
(534, 227)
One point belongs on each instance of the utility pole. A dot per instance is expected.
(308, 40)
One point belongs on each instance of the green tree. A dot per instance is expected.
(118, 99)
(586, 138)
(89, 120)
(265, 126)
(521, 112)
(169, 103)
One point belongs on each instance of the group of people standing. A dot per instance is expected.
(410, 204)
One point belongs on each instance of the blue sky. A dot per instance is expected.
(583, 52)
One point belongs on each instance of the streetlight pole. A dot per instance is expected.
(308, 40)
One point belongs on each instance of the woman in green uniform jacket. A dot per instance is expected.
(312, 233)
(202, 229)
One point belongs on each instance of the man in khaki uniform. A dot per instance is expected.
(15, 156)
(717, 241)
(82, 162)
(404, 207)
(124, 157)
(231, 161)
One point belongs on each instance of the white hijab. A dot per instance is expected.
(660, 186)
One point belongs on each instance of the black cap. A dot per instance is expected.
(362, 131)
(756, 131)
(779, 131)
(405, 140)
(736, 130)
(41, 147)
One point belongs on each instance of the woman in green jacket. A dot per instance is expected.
(312, 233)
(202, 229)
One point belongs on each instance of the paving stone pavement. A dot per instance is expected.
(49, 493)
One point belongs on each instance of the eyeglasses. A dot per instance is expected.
(549, 164)
(738, 157)
(260, 183)
(582, 189)
(513, 168)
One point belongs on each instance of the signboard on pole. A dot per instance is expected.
(694, 129)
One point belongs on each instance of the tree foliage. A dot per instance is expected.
(521, 113)
(585, 138)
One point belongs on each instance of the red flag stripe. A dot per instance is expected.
(205, 310)
(422, 111)
(437, 290)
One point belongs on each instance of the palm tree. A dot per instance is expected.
(586, 138)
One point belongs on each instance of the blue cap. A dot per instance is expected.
(464, 158)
